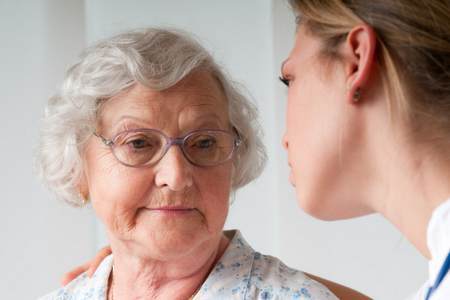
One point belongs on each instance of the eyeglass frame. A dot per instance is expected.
(170, 141)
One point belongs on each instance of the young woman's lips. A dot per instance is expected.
(292, 178)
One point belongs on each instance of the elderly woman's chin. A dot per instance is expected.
(166, 234)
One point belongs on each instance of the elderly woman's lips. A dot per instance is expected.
(172, 209)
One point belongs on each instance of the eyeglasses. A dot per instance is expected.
(145, 147)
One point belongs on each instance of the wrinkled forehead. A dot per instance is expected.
(197, 98)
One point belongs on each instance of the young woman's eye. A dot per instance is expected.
(284, 80)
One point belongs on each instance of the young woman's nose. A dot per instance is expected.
(174, 170)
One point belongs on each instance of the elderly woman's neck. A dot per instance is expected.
(145, 278)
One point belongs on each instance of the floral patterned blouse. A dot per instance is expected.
(241, 273)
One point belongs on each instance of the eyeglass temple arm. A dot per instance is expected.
(104, 140)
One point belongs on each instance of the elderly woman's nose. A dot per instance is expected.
(174, 170)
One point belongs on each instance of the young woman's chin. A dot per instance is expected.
(328, 207)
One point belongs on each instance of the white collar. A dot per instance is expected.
(438, 237)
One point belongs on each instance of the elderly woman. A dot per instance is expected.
(149, 130)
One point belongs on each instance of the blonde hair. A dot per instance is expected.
(413, 52)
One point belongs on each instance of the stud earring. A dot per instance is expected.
(84, 199)
(357, 95)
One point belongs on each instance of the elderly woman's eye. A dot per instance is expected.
(139, 143)
(204, 142)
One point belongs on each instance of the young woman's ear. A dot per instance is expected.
(359, 58)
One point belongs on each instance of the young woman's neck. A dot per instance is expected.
(136, 278)
(415, 184)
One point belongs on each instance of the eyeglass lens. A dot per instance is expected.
(146, 147)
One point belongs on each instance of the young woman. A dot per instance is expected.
(368, 119)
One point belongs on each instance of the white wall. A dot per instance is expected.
(42, 237)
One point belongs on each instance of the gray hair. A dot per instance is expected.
(156, 58)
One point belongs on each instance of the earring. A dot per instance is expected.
(357, 95)
(84, 199)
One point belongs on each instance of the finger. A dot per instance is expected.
(69, 276)
(96, 261)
